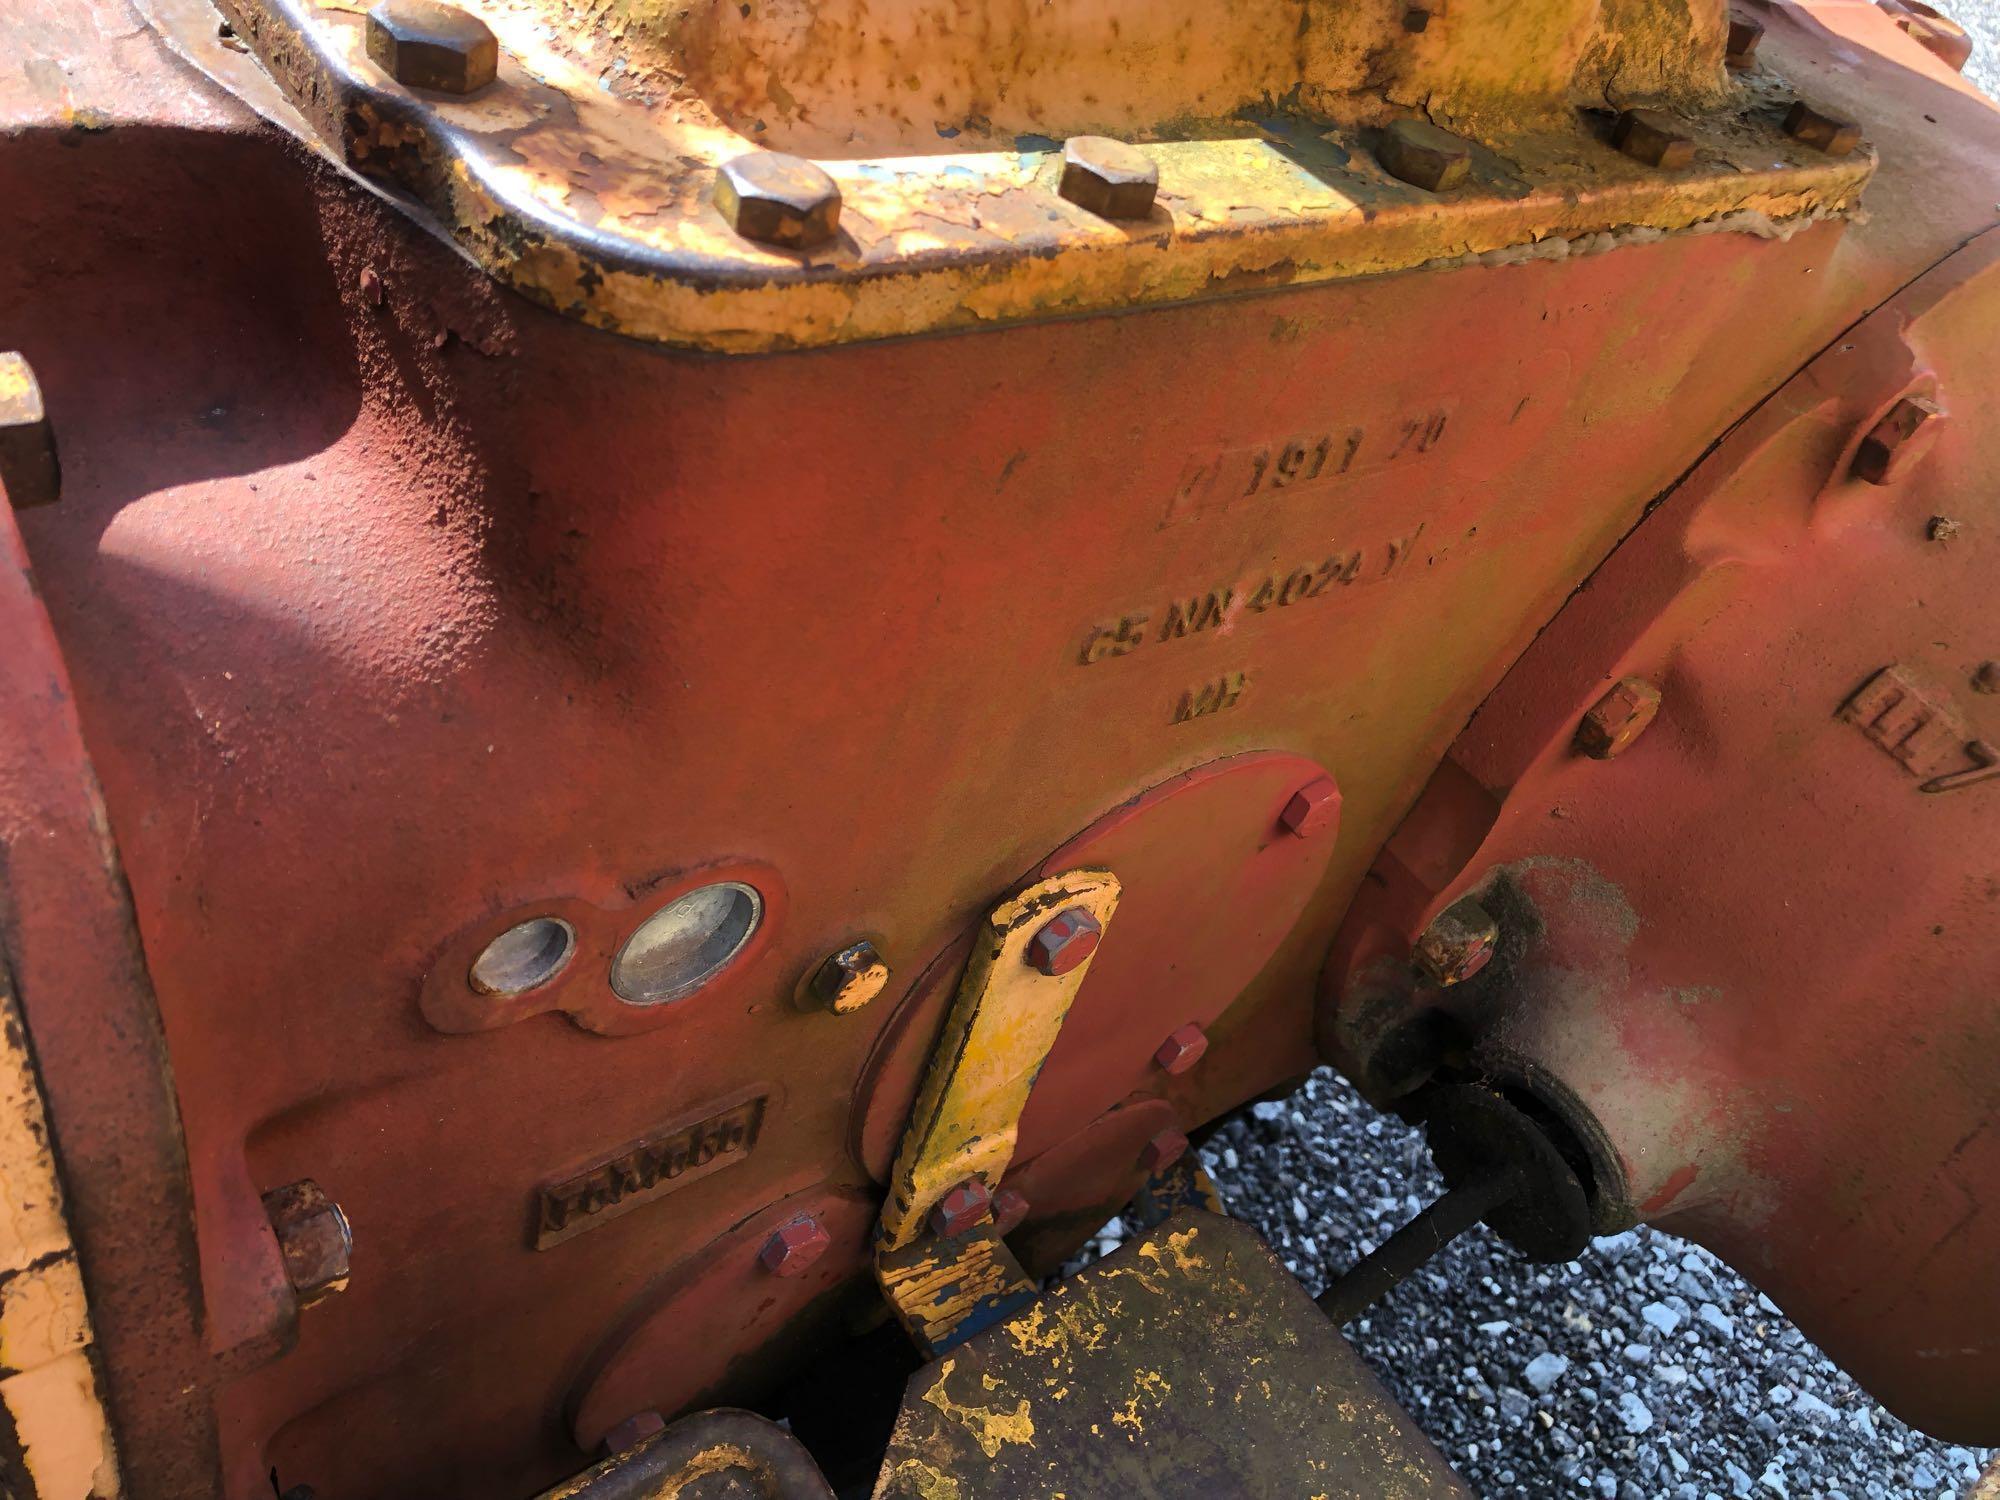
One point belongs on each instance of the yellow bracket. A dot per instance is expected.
(1002, 1025)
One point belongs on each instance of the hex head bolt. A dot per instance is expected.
(794, 1246)
(1421, 154)
(423, 44)
(1459, 943)
(1010, 1207)
(314, 1239)
(1067, 939)
(1108, 178)
(960, 1209)
(1895, 444)
(1313, 809)
(851, 978)
(1182, 1050)
(1657, 140)
(1745, 33)
(1162, 1151)
(1618, 718)
(778, 200)
(29, 469)
(1824, 132)
(1934, 31)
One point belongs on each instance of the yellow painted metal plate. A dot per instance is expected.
(1001, 1027)
(583, 177)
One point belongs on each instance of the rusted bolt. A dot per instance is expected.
(849, 979)
(1064, 942)
(313, 1239)
(960, 1209)
(794, 1246)
(1162, 1151)
(372, 290)
(1744, 35)
(1010, 1207)
(1647, 135)
(778, 200)
(1934, 31)
(423, 44)
(631, 1432)
(29, 468)
(1894, 444)
(1420, 153)
(1313, 809)
(1458, 943)
(1834, 137)
(1942, 529)
(1182, 1050)
(1108, 178)
(1618, 718)
(1986, 677)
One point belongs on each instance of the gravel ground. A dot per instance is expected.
(1982, 19)
(1647, 1370)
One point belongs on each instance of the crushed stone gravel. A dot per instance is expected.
(1646, 1370)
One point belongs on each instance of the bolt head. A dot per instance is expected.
(1010, 1207)
(313, 1238)
(1108, 178)
(1423, 155)
(29, 470)
(423, 44)
(851, 978)
(631, 1432)
(1651, 137)
(960, 1209)
(1314, 809)
(1986, 677)
(1896, 443)
(1745, 33)
(1618, 718)
(1064, 942)
(1458, 943)
(794, 1246)
(1824, 132)
(1182, 1050)
(779, 200)
(1162, 1151)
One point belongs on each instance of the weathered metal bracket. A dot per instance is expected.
(1187, 1363)
(584, 175)
(999, 1032)
(1008, 1011)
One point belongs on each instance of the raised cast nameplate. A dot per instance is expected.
(644, 1172)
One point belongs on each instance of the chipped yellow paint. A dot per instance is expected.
(582, 177)
(50, 1393)
(990, 1428)
(933, 1286)
(1150, 1389)
(920, 1478)
(1002, 1024)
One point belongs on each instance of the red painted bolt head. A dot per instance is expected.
(1162, 1151)
(960, 1209)
(794, 1246)
(1618, 718)
(1182, 1050)
(1010, 1207)
(1313, 810)
(1066, 941)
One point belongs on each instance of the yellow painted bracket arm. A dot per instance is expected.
(1002, 1025)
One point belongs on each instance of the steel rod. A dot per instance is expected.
(1409, 1248)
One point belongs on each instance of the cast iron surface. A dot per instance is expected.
(1188, 1364)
